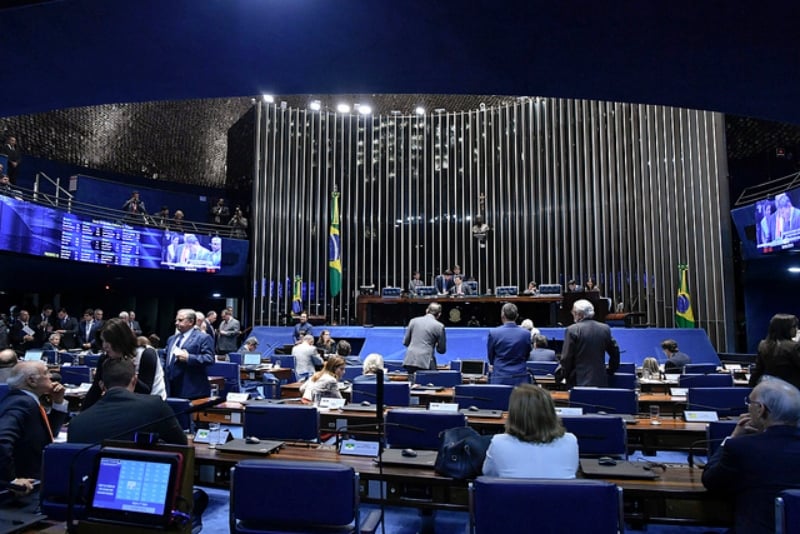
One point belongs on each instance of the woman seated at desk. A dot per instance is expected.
(325, 383)
(326, 343)
(535, 443)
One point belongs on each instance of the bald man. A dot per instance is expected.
(8, 359)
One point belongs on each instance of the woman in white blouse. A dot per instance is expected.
(535, 443)
(324, 383)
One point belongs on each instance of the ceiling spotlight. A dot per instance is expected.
(482, 106)
(365, 109)
(315, 105)
(343, 108)
(794, 269)
(216, 295)
(269, 99)
(420, 110)
(439, 110)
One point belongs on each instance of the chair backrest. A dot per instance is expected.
(446, 379)
(50, 356)
(542, 368)
(716, 432)
(235, 357)
(622, 380)
(505, 504)
(431, 424)
(394, 393)
(393, 365)
(699, 368)
(230, 372)
(627, 368)
(66, 357)
(787, 512)
(180, 406)
(76, 374)
(352, 371)
(329, 496)
(57, 461)
(285, 360)
(599, 435)
(484, 396)
(608, 400)
(282, 421)
(91, 360)
(714, 380)
(725, 401)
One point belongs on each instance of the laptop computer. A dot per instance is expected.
(473, 369)
(33, 355)
(251, 361)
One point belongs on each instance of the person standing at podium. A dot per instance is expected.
(424, 335)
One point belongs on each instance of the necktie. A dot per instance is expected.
(46, 421)
(177, 345)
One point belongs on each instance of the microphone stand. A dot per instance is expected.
(70, 496)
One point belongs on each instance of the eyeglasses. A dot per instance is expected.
(748, 402)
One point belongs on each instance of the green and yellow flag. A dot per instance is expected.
(684, 317)
(334, 247)
(297, 295)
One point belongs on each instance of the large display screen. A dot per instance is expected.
(769, 226)
(28, 228)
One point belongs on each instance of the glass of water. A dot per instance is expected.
(655, 413)
(213, 434)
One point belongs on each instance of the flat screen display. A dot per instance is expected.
(770, 226)
(28, 228)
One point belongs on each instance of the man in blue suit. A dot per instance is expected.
(189, 353)
(761, 457)
(508, 349)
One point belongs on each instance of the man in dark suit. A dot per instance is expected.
(120, 409)
(135, 326)
(761, 457)
(87, 332)
(508, 348)
(25, 426)
(189, 353)
(583, 358)
(444, 282)
(12, 152)
(424, 335)
(23, 334)
(68, 328)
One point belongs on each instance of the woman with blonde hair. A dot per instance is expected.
(535, 443)
(325, 383)
(650, 368)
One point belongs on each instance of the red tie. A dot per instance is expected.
(46, 422)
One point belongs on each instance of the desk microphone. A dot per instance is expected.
(472, 397)
(598, 407)
(210, 403)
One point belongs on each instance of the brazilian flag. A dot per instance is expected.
(334, 247)
(297, 295)
(684, 318)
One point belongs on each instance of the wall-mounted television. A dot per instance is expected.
(769, 226)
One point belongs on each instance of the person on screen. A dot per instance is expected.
(676, 360)
(171, 254)
(785, 219)
(216, 251)
(192, 252)
(535, 443)
(778, 354)
(764, 211)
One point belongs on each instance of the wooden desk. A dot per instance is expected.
(281, 373)
(677, 496)
(456, 311)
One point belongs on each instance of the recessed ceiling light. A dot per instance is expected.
(343, 108)
(315, 105)
(794, 269)
(420, 110)
(269, 99)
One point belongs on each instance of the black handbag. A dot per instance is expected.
(461, 453)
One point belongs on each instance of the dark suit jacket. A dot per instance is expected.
(508, 349)
(677, 360)
(753, 469)
(24, 435)
(82, 337)
(189, 380)
(16, 334)
(120, 410)
(583, 358)
(70, 327)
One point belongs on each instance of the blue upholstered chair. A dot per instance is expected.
(76, 375)
(50, 356)
(787, 512)
(507, 504)
(285, 360)
(230, 372)
(699, 368)
(91, 360)
(235, 357)
(447, 379)
(622, 380)
(393, 365)
(608, 400)
(628, 368)
(712, 380)
(282, 421)
(716, 432)
(727, 402)
(352, 371)
(484, 396)
(541, 368)
(54, 493)
(180, 406)
(598, 435)
(3, 391)
(431, 423)
(394, 393)
(269, 496)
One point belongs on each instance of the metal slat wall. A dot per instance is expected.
(619, 192)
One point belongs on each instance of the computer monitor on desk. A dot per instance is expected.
(506, 291)
(426, 291)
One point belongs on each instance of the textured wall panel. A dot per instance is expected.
(622, 193)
